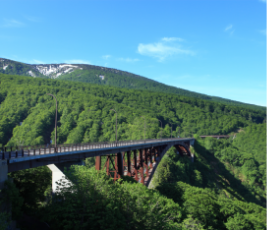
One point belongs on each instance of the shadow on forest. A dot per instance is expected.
(240, 190)
(214, 174)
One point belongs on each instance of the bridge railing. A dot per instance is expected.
(23, 151)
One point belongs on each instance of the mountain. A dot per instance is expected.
(224, 189)
(105, 76)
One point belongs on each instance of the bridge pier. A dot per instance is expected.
(117, 164)
(129, 164)
(57, 175)
(141, 169)
(137, 165)
(58, 172)
(98, 162)
(3, 172)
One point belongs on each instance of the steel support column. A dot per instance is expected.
(145, 151)
(135, 166)
(120, 164)
(151, 157)
(116, 176)
(141, 165)
(107, 165)
(98, 162)
(129, 169)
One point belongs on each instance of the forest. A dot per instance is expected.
(84, 113)
(114, 77)
(223, 189)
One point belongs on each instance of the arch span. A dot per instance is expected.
(183, 150)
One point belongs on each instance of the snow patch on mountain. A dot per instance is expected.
(55, 70)
(4, 67)
(67, 70)
(31, 73)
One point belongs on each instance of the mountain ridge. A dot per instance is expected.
(105, 76)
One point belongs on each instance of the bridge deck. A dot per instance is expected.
(27, 158)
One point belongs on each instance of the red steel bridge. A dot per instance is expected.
(137, 159)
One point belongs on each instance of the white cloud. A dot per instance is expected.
(172, 39)
(263, 32)
(161, 51)
(128, 59)
(263, 1)
(78, 61)
(12, 23)
(106, 56)
(228, 28)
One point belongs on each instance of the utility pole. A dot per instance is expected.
(55, 122)
(161, 129)
(144, 127)
(116, 124)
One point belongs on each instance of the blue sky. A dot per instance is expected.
(215, 47)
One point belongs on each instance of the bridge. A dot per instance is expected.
(216, 136)
(137, 159)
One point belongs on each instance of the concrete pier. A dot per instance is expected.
(3, 172)
(57, 175)
(58, 172)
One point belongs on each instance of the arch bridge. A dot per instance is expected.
(137, 159)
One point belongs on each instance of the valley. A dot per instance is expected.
(223, 189)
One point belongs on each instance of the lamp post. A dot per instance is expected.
(55, 122)
(144, 127)
(116, 124)
(161, 129)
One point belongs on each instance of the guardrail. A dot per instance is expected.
(23, 151)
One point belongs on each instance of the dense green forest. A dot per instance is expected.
(223, 189)
(27, 113)
(112, 77)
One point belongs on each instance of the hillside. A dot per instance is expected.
(81, 107)
(105, 76)
(223, 189)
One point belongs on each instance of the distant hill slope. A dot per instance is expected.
(105, 76)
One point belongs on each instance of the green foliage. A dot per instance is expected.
(210, 190)
(224, 187)
(84, 113)
(11, 199)
(32, 185)
(192, 224)
(238, 222)
(4, 220)
(95, 202)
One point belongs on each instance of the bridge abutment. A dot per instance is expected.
(3, 172)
